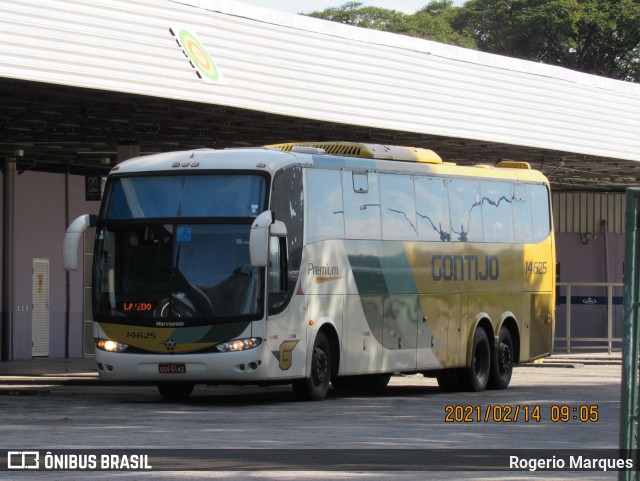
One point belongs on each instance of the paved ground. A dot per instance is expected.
(49, 404)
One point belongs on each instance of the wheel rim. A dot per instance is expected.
(505, 358)
(321, 366)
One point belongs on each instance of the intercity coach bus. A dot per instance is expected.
(319, 263)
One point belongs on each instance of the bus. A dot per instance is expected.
(318, 264)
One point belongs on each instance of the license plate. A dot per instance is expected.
(172, 368)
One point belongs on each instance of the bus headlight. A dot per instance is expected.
(111, 346)
(239, 344)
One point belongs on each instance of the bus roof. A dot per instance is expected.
(255, 158)
(342, 155)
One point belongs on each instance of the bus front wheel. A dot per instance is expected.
(316, 386)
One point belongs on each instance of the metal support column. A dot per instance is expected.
(7, 258)
(629, 392)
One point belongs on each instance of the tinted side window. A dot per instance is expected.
(497, 223)
(521, 209)
(398, 207)
(361, 206)
(465, 208)
(287, 206)
(432, 209)
(541, 221)
(325, 214)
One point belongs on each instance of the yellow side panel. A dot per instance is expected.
(439, 331)
(542, 325)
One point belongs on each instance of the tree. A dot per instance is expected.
(432, 22)
(600, 37)
(359, 15)
(595, 36)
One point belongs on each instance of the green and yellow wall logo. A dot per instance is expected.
(200, 58)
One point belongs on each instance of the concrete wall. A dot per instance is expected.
(583, 259)
(585, 262)
(40, 224)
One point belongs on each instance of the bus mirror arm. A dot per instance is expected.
(278, 228)
(72, 239)
(259, 239)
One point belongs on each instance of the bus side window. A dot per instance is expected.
(432, 209)
(278, 282)
(465, 207)
(521, 216)
(497, 222)
(398, 207)
(324, 212)
(540, 213)
(361, 206)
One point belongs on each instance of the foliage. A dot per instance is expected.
(432, 22)
(595, 36)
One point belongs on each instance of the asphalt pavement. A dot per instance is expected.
(410, 414)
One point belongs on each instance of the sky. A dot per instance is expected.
(306, 6)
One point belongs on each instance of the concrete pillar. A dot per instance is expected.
(7, 258)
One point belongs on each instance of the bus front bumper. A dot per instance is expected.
(244, 366)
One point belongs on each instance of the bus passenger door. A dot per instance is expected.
(541, 321)
(438, 331)
(287, 336)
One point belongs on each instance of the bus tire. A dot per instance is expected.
(175, 391)
(316, 386)
(502, 362)
(480, 369)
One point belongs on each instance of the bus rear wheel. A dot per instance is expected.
(480, 369)
(502, 362)
(316, 386)
(175, 391)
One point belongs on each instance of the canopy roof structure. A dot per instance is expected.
(82, 79)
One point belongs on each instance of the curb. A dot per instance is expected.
(572, 362)
(49, 380)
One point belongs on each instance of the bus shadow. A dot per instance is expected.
(257, 396)
(268, 395)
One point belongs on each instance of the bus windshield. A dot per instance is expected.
(174, 251)
(163, 196)
(197, 273)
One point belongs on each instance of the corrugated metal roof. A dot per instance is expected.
(298, 66)
(589, 212)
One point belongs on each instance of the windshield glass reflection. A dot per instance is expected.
(194, 273)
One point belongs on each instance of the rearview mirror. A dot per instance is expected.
(259, 239)
(72, 239)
